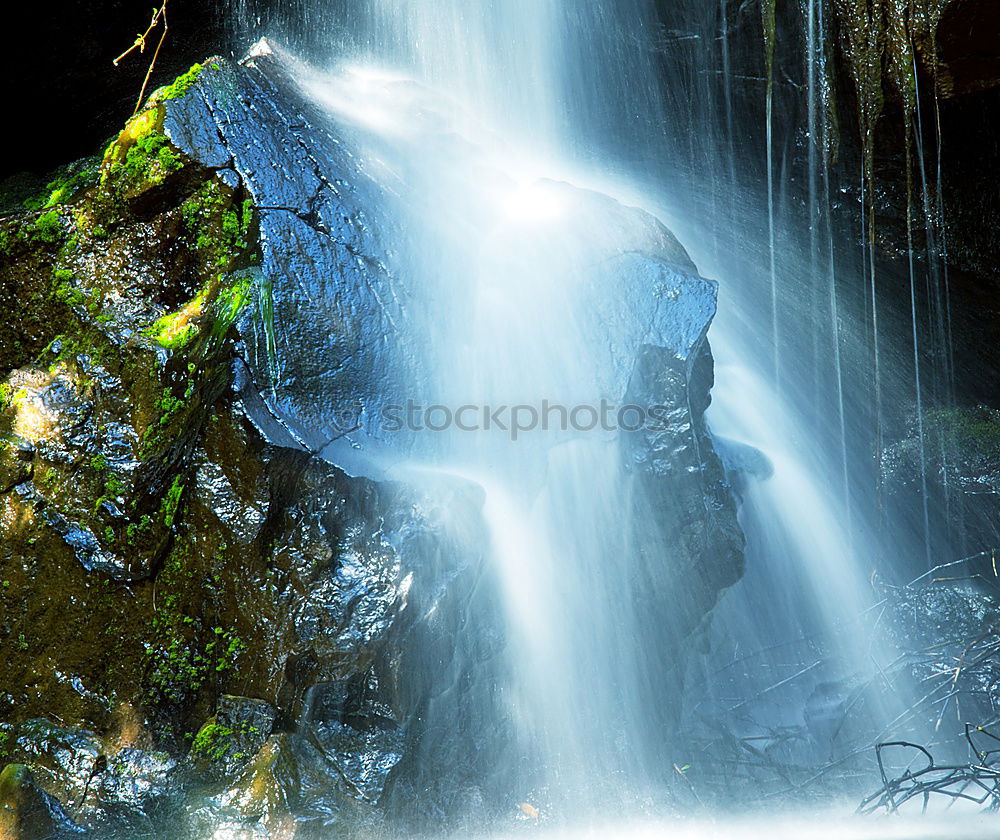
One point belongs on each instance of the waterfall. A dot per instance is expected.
(478, 116)
(536, 295)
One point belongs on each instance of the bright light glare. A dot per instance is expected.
(533, 203)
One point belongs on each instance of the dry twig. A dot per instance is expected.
(977, 782)
(159, 16)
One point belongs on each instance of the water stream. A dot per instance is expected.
(480, 112)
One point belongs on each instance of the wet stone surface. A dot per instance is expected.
(208, 625)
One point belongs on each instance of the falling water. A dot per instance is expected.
(479, 112)
(505, 263)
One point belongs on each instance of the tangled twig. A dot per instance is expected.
(159, 16)
(977, 782)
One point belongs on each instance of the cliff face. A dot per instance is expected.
(204, 621)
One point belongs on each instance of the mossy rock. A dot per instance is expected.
(229, 740)
(290, 783)
(121, 278)
(26, 813)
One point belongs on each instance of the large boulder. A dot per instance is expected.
(200, 599)
(26, 812)
(349, 320)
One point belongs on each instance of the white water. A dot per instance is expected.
(467, 104)
(829, 825)
(513, 318)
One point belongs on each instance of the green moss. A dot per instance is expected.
(230, 304)
(172, 501)
(81, 340)
(179, 670)
(9, 396)
(183, 652)
(175, 330)
(219, 230)
(226, 647)
(136, 532)
(182, 84)
(64, 290)
(265, 311)
(142, 156)
(65, 186)
(235, 227)
(151, 159)
(169, 410)
(170, 406)
(69, 295)
(47, 228)
(212, 741)
(970, 432)
(180, 629)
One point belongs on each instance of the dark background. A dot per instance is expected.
(63, 96)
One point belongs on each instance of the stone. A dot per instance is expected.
(257, 715)
(64, 760)
(178, 546)
(289, 786)
(26, 813)
(229, 740)
(340, 346)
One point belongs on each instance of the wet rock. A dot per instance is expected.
(126, 295)
(365, 750)
(290, 786)
(230, 739)
(135, 783)
(270, 789)
(338, 345)
(15, 463)
(316, 204)
(959, 464)
(692, 549)
(26, 812)
(95, 782)
(258, 716)
(65, 761)
(742, 460)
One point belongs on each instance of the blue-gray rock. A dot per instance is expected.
(26, 811)
(96, 786)
(341, 329)
(335, 305)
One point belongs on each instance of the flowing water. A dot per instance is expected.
(515, 317)
(479, 111)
